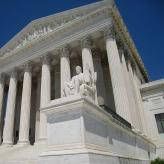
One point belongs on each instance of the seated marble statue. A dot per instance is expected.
(83, 83)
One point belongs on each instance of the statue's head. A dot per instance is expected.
(78, 70)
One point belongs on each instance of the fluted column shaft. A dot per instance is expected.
(1, 103)
(87, 59)
(134, 98)
(25, 106)
(140, 105)
(45, 96)
(10, 111)
(134, 116)
(65, 71)
(118, 84)
(45, 82)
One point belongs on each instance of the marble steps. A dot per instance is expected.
(19, 154)
(18, 162)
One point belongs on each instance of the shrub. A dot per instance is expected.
(158, 161)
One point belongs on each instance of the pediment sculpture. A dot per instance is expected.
(83, 83)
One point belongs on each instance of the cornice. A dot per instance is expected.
(158, 84)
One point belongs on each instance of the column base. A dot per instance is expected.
(41, 141)
(25, 142)
(7, 144)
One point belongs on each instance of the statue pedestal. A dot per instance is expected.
(80, 132)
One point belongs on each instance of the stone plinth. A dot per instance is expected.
(81, 132)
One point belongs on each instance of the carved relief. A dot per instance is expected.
(38, 31)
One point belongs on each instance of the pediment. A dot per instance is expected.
(56, 25)
(43, 26)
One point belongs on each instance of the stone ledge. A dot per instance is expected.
(87, 151)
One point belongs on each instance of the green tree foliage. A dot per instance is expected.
(158, 161)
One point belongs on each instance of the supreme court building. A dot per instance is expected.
(74, 90)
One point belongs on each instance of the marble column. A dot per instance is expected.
(118, 84)
(146, 105)
(1, 103)
(10, 110)
(150, 120)
(138, 125)
(45, 82)
(25, 106)
(135, 122)
(65, 71)
(87, 58)
(100, 85)
(45, 96)
(140, 104)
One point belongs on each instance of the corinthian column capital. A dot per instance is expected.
(109, 33)
(13, 73)
(45, 59)
(121, 51)
(27, 67)
(86, 42)
(127, 56)
(65, 51)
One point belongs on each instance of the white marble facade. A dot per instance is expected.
(70, 91)
(153, 101)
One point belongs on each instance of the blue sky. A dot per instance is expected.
(144, 19)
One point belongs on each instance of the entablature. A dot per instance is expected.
(71, 32)
(45, 25)
(45, 34)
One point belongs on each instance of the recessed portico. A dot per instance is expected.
(91, 50)
(84, 60)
